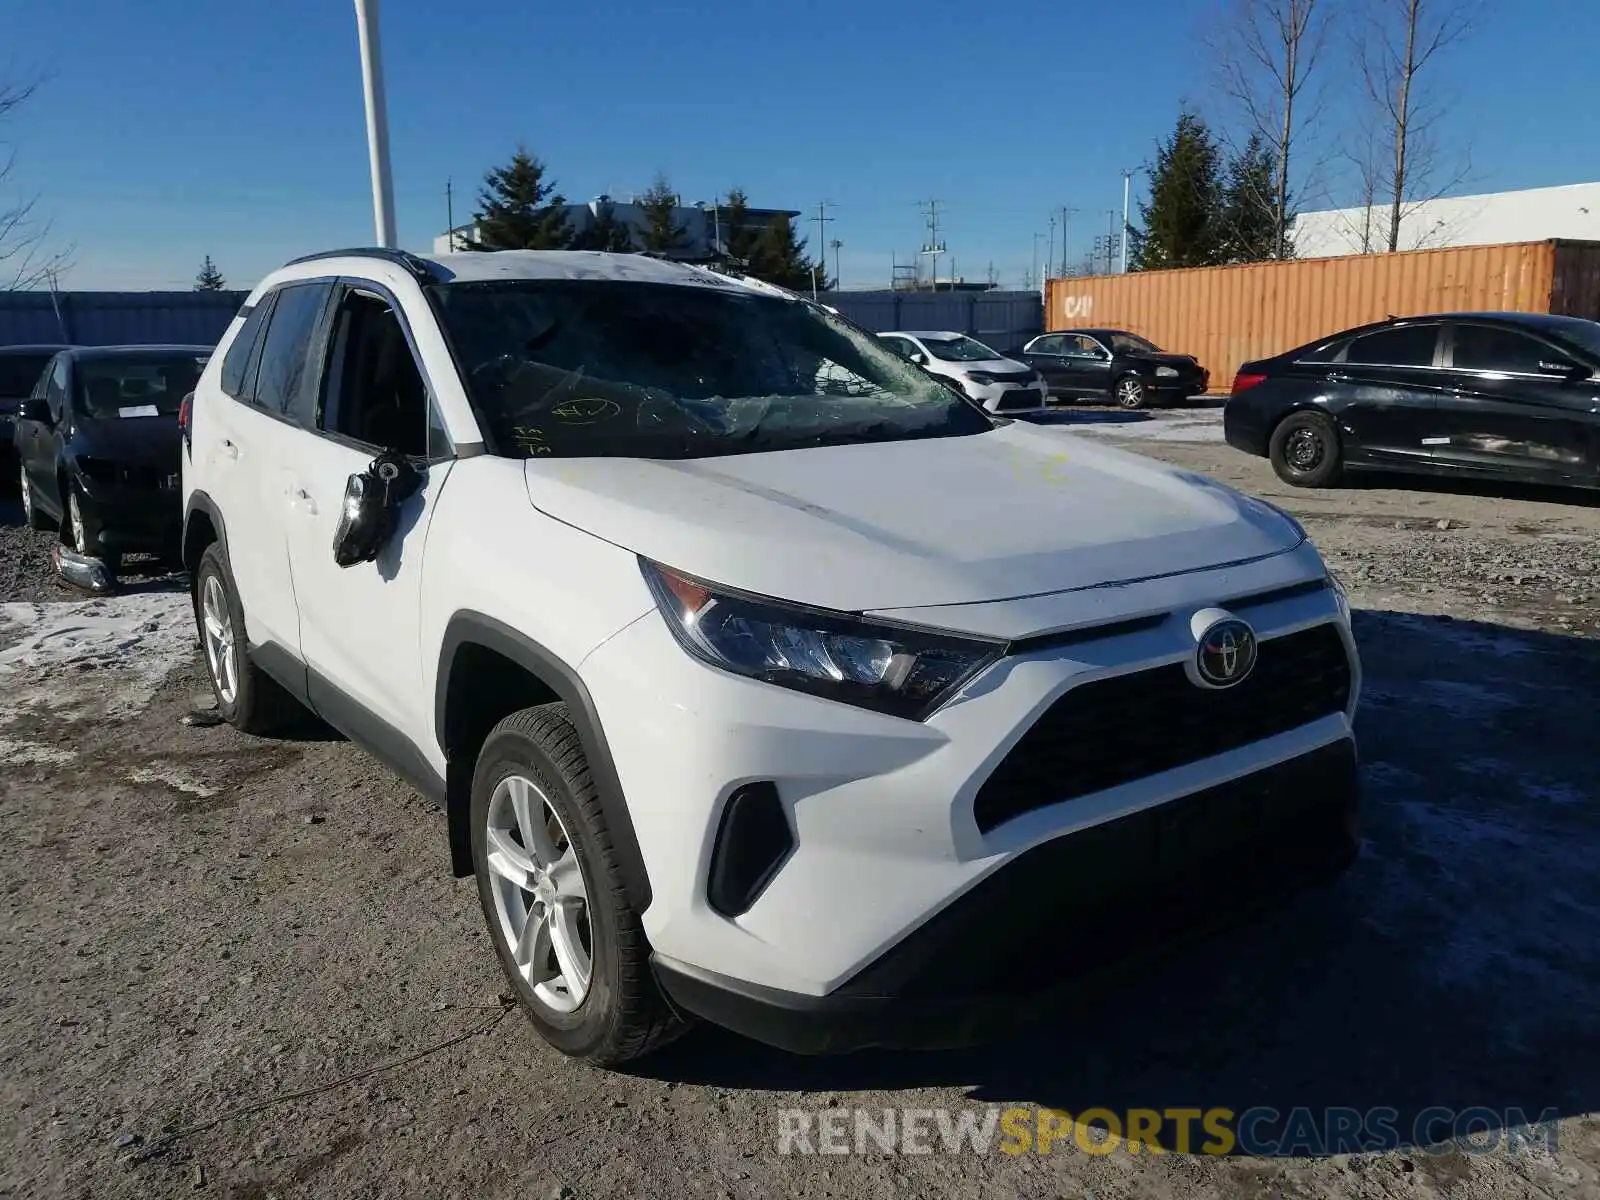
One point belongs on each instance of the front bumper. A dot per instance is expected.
(1003, 952)
(123, 519)
(1006, 399)
(883, 811)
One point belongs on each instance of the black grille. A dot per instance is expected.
(1117, 730)
(1019, 398)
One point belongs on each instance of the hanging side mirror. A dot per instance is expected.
(371, 510)
(34, 409)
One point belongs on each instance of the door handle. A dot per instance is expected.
(1337, 377)
(300, 498)
(229, 450)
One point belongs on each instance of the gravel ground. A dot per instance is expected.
(238, 967)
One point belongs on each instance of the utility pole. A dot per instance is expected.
(1066, 235)
(822, 227)
(1050, 250)
(1033, 275)
(1111, 236)
(836, 244)
(450, 213)
(1127, 188)
(935, 247)
(377, 121)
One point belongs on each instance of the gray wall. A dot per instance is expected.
(117, 318)
(1002, 320)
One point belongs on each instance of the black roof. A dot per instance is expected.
(80, 353)
(1101, 331)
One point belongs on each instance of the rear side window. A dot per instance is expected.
(1405, 346)
(1319, 354)
(283, 385)
(1483, 348)
(235, 367)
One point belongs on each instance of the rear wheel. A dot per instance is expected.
(247, 697)
(30, 511)
(1305, 450)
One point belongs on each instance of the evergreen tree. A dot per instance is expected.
(662, 233)
(737, 234)
(1249, 225)
(605, 232)
(779, 256)
(1183, 224)
(519, 209)
(210, 279)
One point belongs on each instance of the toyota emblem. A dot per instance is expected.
(1225, 650)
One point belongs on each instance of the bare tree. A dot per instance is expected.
(1266, 54)
(24, 261)
(1402, 38)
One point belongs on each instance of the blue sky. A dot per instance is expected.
(171, 129)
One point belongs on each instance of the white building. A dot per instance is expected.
(1532, 215)
(705, 226)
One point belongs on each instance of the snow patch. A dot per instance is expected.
(1202, 427)
(98, 659)
(173, 780)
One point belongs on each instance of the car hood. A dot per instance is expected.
(1016, 511)
(1002, 366)
(130, 441)
(1165, 360)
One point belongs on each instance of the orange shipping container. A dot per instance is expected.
(1225, 316)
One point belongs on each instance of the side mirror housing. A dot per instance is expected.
(918, 357)
(34, 408)
(371, 508)
(1557, 365)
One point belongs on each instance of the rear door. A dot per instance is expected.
(1514, 409)
(1383, 388)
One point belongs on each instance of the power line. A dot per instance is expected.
(1066, 233)
(822, 219)
(934, 246)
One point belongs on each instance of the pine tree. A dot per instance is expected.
(209, 279)
(738, 235)
(779, 256)
(605, 232)
(1249, 226)
(519, 209)
(1183, 225)
(662, 233)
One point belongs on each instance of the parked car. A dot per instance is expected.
(98, 441)
(1000, 384)
(1113, 364)
(1512, 396)
(21, 367)
(810, 712)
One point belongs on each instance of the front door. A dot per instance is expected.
(1087, 366)
(39, 444)
(1044, 355)
(359, 624)
(1516, 409)
(1383, 389)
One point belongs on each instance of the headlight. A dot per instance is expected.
(1167, 372)
(980, 377)
(894, 669)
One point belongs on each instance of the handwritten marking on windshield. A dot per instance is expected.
(530, 439)
(587, 411)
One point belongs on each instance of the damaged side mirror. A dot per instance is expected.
(371, 511)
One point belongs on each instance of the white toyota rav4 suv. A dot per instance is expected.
(760, 677)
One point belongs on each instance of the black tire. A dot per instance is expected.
(623, 1015)
(1130, 393)
(31, 516)
(259, 705)
(1305, 450)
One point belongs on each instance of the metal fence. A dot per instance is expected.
(116, 318)
(1002, 320)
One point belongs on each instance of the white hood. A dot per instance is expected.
(1017, 511)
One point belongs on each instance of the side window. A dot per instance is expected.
(235, 367)
(285, 379)
(1049, 344)
(896, 345)
(1405, 346)
(55, 392)
(373, 391)
(1083, 347)
(1320, 354)
(1481, 348)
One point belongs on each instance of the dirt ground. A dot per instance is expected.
(235, 967)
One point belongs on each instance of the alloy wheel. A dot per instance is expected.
(80, 535)
(1303, 450)
(540, 895)
(221, 654)
(27, 497)
(1130, 393)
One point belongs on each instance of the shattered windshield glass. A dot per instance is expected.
(582, 367)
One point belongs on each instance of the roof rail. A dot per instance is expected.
(419, 267)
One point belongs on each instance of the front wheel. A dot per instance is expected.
(1305, 450)
(1130, 392)
(551, 889)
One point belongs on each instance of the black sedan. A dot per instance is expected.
(21, 367)
(1112, 364)
(99, 445)
(1512, 396)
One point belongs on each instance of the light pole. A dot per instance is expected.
(377, 121)
(1127, 184)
